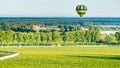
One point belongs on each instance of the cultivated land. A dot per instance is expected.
(63, 57)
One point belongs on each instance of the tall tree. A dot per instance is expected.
(31, 37)
(110, 39)
(43, 36)
(20, 37)
(2, 36)
(117, 35)
(88, 36)
(56, 37)
(37, 37)
(9, 36)
(26, 38)
(49, 37)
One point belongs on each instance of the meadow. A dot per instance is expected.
(63, 57)
(3, 53)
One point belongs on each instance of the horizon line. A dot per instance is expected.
(58, 17)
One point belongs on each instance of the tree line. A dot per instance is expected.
(11, 37)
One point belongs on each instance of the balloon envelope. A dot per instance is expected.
(81, 10)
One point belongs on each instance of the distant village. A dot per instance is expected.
(110, 29)
(39, 27)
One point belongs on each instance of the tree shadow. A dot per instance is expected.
(4, 51)
(106, 57)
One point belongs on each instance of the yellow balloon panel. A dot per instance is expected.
(81, 10)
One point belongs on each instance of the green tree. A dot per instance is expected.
(20, 37)
(78, 28)
(68, 37)
(9, 36)
(26, 38)
(88, 36)
(66, 28)
(32, 26)
(79, 36)
(43, 37)
(97, 33)
(61, 28)
(71, 28)
(56, 37)
(5, 25)
(2, 36)
(31, 37)
(37, 37)
(117, 35)
(110, 39)
(15, 38)
(49, 37)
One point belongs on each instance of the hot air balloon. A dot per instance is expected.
(81, 10)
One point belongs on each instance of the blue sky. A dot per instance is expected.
(59, 8)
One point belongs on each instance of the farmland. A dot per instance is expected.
(63, 57)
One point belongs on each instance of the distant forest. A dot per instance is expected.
(26, 23)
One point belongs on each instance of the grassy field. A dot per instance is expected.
(63, 57)
(2, 53)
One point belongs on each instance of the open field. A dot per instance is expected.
(108, 32)
(2, 53)
(63, 57)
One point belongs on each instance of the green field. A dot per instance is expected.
(63, 57)
(3, 53)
